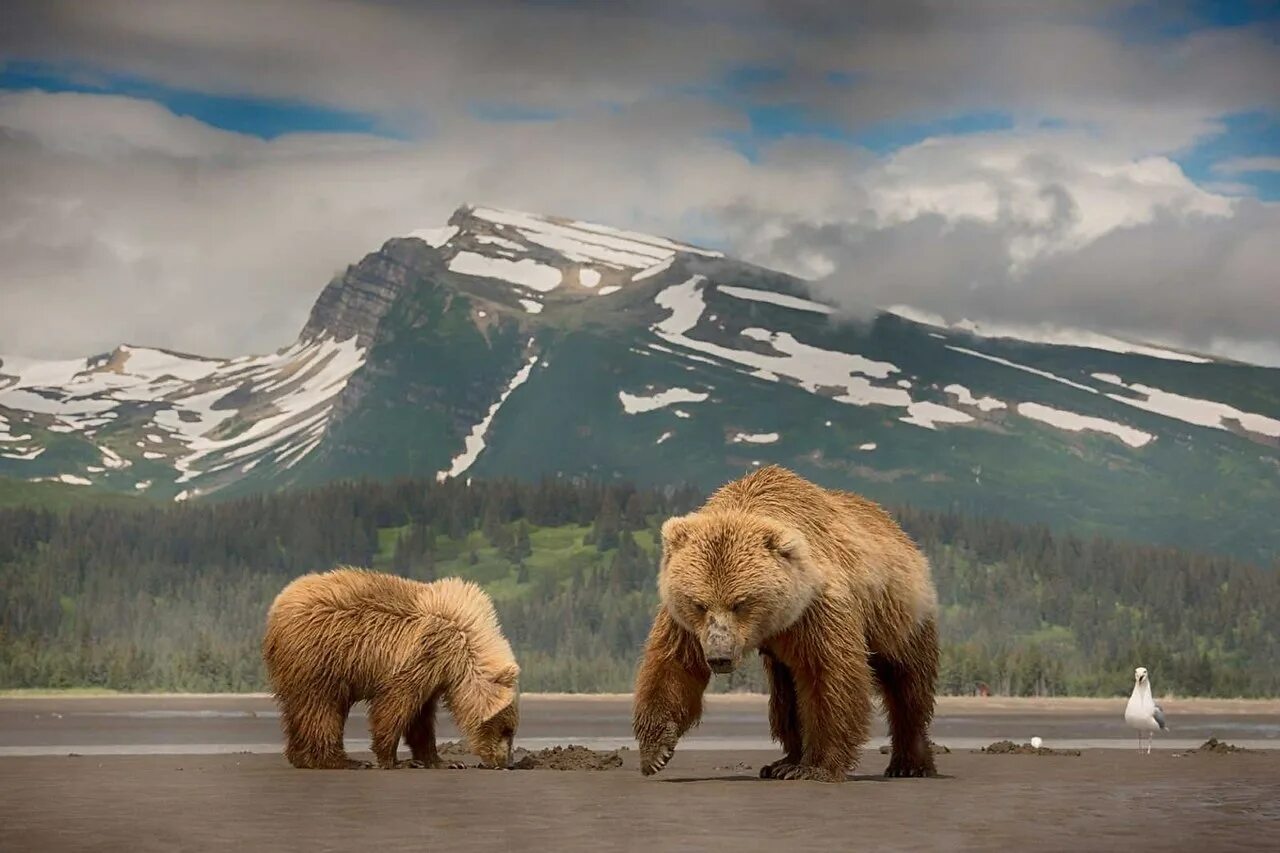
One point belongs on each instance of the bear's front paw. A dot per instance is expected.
(656, 750)
(910, 768)
(771, 770)
(805, 772)
(411, 764)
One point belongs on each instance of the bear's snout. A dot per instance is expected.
(720, 645)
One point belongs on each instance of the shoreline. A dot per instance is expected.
(945, 704)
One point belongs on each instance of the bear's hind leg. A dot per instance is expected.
(906, 681)
(313, 734)
(784, 720)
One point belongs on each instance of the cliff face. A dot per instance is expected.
(355, 302)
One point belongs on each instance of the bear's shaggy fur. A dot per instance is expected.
(833, 594)
(351, 635)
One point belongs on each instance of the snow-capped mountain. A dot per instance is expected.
(507, 343)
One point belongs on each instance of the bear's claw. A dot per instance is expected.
(800, 772)
(654, 754)
(776, 768)
(909, 770)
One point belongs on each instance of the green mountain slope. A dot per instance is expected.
(514, 345)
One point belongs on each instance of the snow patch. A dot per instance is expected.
(531, 306)
(870, 445)
(965, 398)
(756, 437)
(664, 437)
(782, 299)
(1076, 422)
(501, 242)
(474, 442)
(1192, 410)
(634, 404)
(814, 369)
(929, 415)
(605, 291)
(1036, 371)
(588, 277)
(656, 269)
(22, 454)
(526, 271)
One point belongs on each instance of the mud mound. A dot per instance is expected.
(936, 748)
(1008, 747)
(570, 757)
(453, 749)
(1219, 747)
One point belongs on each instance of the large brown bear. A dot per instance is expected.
(340, 637)
(832, 593)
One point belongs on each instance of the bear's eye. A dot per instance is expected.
(739, 606)
(699, 607)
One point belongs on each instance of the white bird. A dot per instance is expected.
(1142, 712)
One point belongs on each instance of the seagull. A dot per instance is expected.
(1142, 712)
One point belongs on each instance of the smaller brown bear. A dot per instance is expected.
(351, 635)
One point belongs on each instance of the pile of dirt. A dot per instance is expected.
(571, 757)
(453, 749)
(936, 748)
(1219, 747)
(1008, 747)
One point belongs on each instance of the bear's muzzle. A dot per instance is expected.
(720, 644)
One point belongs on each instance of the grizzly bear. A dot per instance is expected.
(834, 596)
(351, 635)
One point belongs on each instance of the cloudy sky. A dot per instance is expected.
(190, 175)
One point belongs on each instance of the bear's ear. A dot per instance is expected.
(675, 532)
(490, 697)
(508, 677)
(785, 542)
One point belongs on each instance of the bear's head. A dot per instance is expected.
(492, 715)
(734, 580)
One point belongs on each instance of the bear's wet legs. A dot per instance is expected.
(313, 734)
(784, 720)
(668, 691)
(834, 708)
(906, 682)
(421, 739)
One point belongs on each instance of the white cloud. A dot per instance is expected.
(122, 221)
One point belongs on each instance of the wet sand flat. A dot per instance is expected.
(1101, 800)
(215, 779)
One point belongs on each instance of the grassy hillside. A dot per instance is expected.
(60, 496)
